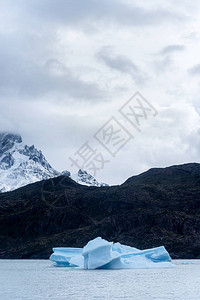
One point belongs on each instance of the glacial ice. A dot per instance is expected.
(63, 257)
(101, 254)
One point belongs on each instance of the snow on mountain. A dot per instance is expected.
(83, 177)
(21, 165)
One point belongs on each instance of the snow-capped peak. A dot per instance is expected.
(83, 177)
(21, 165)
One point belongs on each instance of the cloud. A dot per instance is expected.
(163, 64)
(195, 70)
(122, 64)
(171, 49)
(164, 58)
(76, 12)
(22, 75)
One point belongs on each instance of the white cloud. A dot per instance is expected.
(171, 49)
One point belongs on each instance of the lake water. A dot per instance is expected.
(38, 279)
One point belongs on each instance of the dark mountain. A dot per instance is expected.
(158, 207)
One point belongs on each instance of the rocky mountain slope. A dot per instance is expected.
(158, 207)
(21, 165)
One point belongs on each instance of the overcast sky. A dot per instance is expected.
(68, 66)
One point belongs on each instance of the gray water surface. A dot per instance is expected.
(38, 279)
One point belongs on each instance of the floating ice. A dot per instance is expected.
(101, 254)
(63, 256)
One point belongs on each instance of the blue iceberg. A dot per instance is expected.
(63, 257)
(101, 254)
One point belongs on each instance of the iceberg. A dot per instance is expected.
(63, 257)
(101, 254)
